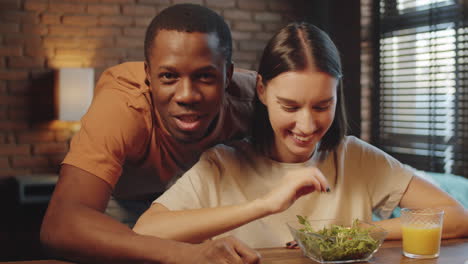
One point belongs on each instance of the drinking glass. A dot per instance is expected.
(422, 232)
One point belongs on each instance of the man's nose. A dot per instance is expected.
(187, 94)
(306, 121)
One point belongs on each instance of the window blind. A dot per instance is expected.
(423, 70)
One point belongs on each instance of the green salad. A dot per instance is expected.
(339, 242)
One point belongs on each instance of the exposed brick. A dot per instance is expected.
(13, 75)
(3, 114)
(19, 87)
(39, 51)
(155, 2)
(13, 40)
(135, 54)
(239, 35)
(12, 100)
(257, 5)
(2, 65)
(135, 10)
(51, 19)
(102, 63)
(10, 138)
(97, 42)
(67, 7)
(4, 163)
(252, 45)
(221, 3)
(21, 113)
(34, 29)
(10, 4)
(61, 63)
(280, 5)
(2, 86)
(243, 56)
(67, 31)
(119, 1)
(53, 42)
(26, 62)
(237, 15)
(29, 17)
(143, 21)
(6, 173)
(29, 162)
(50, 148)
(35, 136)
(10, 51)
(80, 20)
(9, 27)
(115, 20)
(111, 53)
(246, 26)
(36, 5)
(199, 2)
(125, 42)
(104, 31)
(135, 31)
(263, 36)
(103, 9)
(14, 149)
(273, 27)
(267, 17)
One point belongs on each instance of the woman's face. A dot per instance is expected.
(301, 108)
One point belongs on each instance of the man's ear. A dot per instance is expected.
(147, 72)
(261, 89)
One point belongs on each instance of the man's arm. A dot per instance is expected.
(76, 228)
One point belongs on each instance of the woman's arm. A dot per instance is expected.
(422, 194)
(200, 224)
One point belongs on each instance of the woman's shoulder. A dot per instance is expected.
(234, 149)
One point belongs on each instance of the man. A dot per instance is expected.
(149, 122)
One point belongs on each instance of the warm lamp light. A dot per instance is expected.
(74, 87)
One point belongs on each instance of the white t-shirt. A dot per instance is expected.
(363, 179)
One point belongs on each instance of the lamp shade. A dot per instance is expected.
(74, 87)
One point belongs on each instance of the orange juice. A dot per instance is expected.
(421, 240)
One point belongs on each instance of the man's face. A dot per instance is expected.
(188, 75)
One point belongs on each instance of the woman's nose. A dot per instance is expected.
(306, 122)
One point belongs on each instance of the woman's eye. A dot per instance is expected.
(322, 108)
(289, 108)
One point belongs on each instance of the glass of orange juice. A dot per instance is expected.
(422, 231)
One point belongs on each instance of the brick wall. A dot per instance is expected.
(37, 36)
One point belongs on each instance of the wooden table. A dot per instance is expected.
(453, 251)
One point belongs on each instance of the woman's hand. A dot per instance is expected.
(295, 184)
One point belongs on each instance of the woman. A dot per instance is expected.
(251, 188)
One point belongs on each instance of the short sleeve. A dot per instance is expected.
(386, 178)
(197, 188)
(112, 131)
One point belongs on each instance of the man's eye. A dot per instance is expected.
(167, 76)
(206, 77)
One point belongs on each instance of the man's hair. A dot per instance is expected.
(190, 18)
(297, 47)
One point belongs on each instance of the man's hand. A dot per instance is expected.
(220, 251)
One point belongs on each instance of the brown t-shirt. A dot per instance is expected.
(123, 142)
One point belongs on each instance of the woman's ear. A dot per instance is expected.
(261, 89)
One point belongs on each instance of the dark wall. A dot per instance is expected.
(342, 21)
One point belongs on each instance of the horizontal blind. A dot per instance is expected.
(423, 101)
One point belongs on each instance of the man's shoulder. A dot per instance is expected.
(242, 84)
(128, 76)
